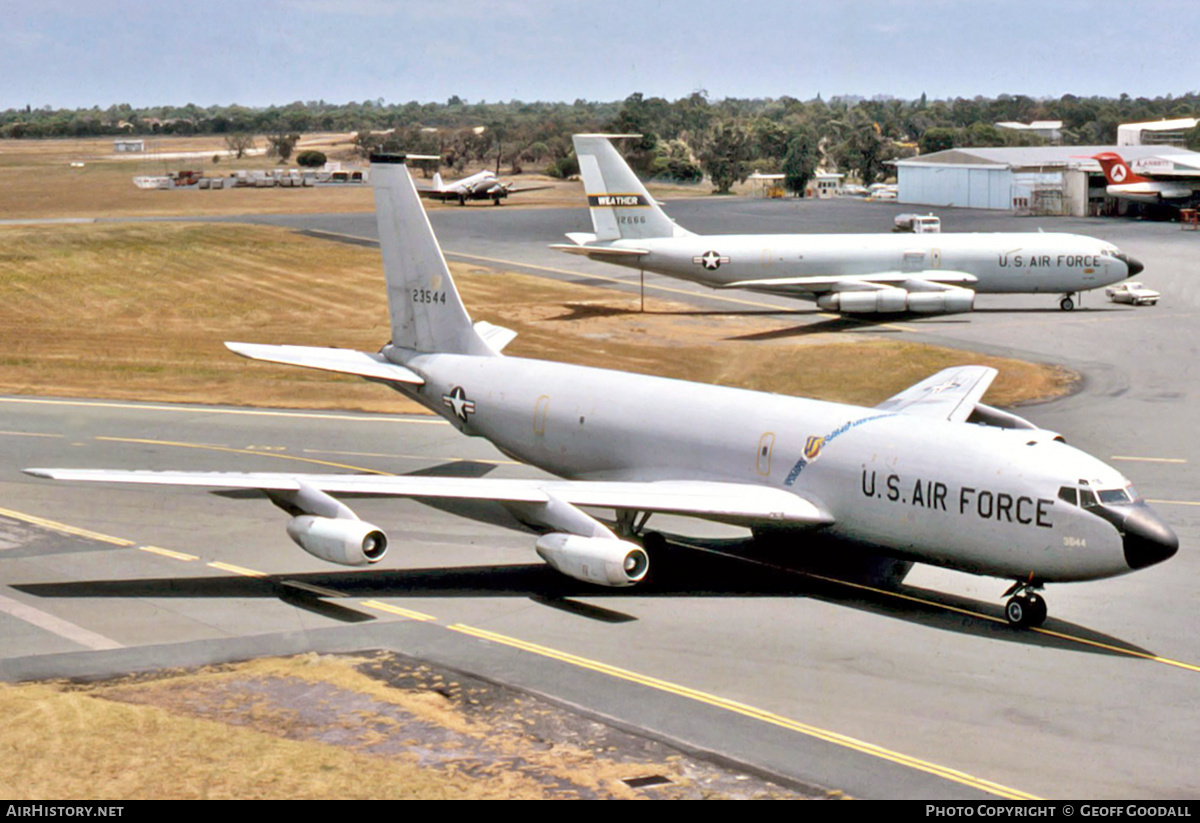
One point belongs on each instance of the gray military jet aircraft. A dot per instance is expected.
(851, 273)
(911, 479)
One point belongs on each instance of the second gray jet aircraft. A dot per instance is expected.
(852, 273)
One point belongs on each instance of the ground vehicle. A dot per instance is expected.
(918, 223)
(1133, 293)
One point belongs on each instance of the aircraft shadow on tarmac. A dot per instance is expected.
(879, 322)
(714, 569)
(587, 311)
(821, 324)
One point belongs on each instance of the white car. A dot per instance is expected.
(1133, 293)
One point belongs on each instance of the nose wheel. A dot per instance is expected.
(1026, 608)
(1068, 302)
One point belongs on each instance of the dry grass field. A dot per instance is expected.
(139, 311)
(37, 181)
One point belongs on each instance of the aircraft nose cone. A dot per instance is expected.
(1132, 263)
(1148, 540)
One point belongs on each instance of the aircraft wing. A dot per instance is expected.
(345, 361)
(951, 394)
(858, 282)
(522, 189)
(738, 503)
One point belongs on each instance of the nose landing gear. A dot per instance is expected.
(1025, 608)
(1068, 302)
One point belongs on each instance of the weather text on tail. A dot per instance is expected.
(620, 205)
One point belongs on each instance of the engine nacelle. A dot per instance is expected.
(600, 560)
(338, 540)
(872, 301)
(894, 300)
(951, 301)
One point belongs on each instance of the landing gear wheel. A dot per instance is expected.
(1066, 304)
(1025, 610)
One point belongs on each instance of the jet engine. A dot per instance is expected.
(338, 540)
(600, 560)
(893, 300)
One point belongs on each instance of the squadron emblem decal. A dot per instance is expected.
(458, 402)
(812, 447)
(711, 260)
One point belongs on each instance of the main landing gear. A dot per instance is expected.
(1068, 301)
(1025, 608)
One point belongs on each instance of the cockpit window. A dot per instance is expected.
(1069, 495)
(1132, 492)
(1087, 499)
(1113, 496)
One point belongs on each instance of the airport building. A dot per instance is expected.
(1155, 132)
(1062, 180)
(1048, 130)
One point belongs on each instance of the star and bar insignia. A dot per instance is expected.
(711, 260)
(458, 402)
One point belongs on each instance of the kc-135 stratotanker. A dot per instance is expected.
(930, 475)
(850, 273)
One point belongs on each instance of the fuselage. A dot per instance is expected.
(1000, 263)
(976, 498)
(1153, 191)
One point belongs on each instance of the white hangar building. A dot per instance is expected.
(1027, 179)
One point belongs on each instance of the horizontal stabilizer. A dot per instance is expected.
(738, 503)
(497, 337)
(599, 251)
(951, 394)
(820, 284)
(345, 361)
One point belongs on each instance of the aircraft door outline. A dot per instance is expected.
(766, 447)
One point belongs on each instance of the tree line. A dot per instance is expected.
(684, 140)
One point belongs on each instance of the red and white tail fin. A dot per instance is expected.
(1116, 170)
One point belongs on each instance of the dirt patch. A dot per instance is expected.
(376, 726)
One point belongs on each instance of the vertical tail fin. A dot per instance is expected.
(427, 314)
(1116, 170)
(620, 205)
(437, 180)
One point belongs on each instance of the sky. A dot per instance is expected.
(77, 54)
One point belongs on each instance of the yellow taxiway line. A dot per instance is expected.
(402, 612)
(402, 419)
(231, 450)
(752, 712)
(63, 528)
(229, 567)
(1166, 661)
